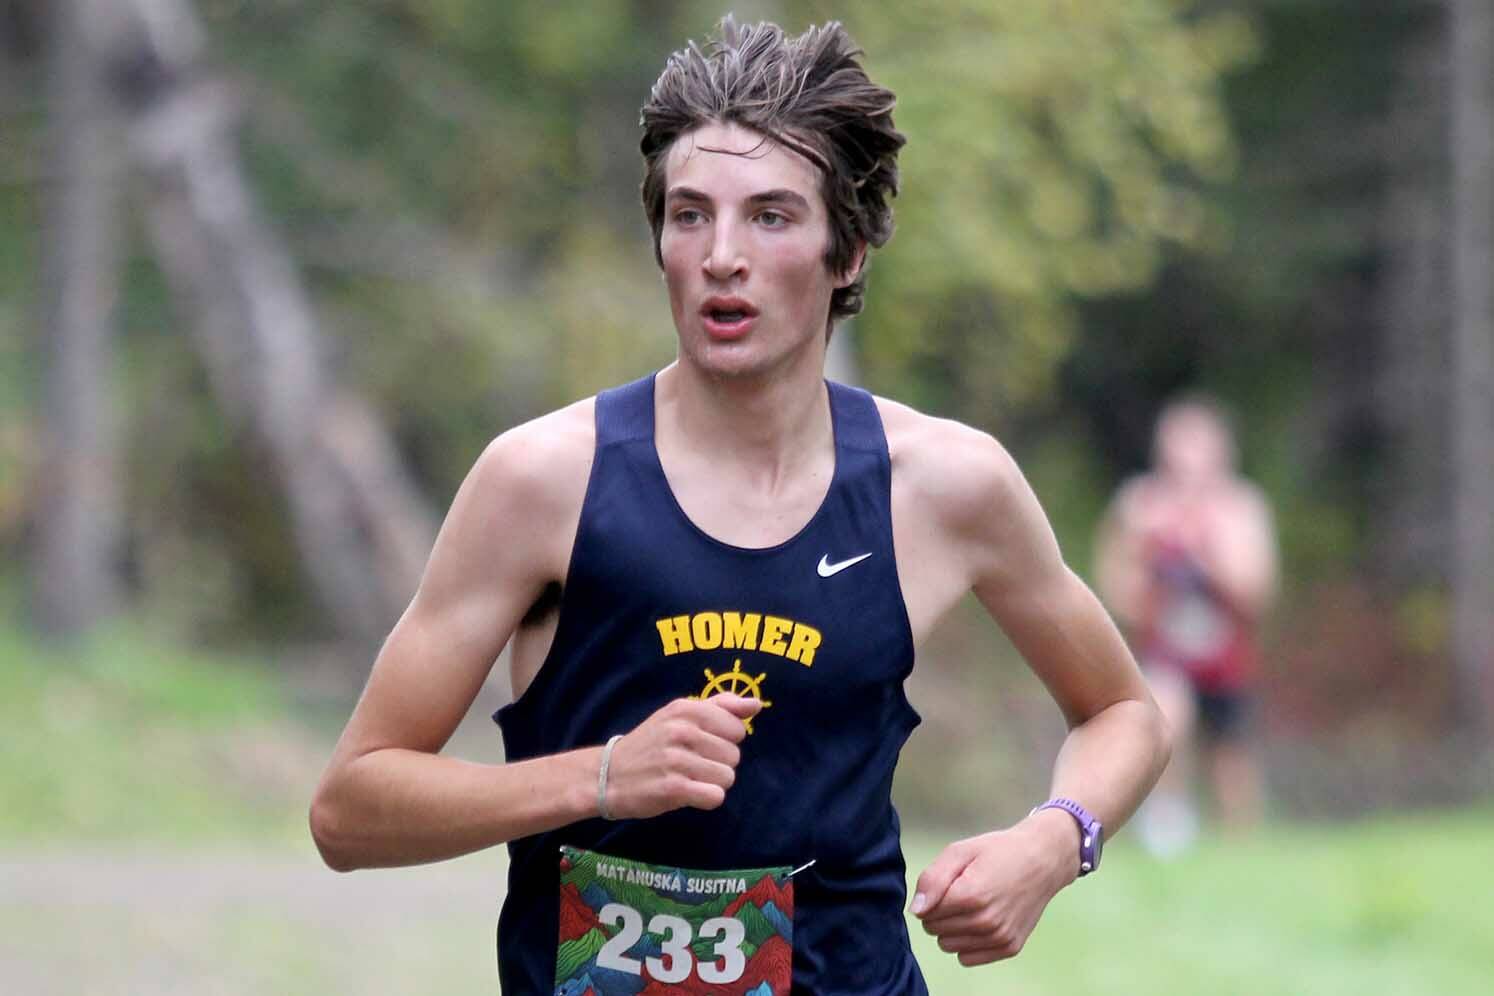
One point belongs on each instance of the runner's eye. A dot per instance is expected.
(687, 216)
(772, 219)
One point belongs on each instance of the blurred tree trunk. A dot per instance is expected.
(359, 522)
(1471, 33)
(1410, 505)
(78, 514)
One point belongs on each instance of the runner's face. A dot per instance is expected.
(743, 243)
(1193, 446)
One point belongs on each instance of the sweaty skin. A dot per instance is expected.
(743, 432)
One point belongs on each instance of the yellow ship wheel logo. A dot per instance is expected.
(734, 682)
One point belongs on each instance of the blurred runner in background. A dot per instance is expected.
(1187, 560)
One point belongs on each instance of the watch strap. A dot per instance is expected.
(1090, 830)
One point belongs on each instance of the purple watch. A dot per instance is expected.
(1091, 832)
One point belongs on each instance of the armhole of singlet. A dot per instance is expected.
(605, 405)
(871, 435)
(910, 648)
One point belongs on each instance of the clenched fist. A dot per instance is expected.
(685, 754)
(982, 897)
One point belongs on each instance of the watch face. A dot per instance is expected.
(1099, 835)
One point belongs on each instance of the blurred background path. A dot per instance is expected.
(234, 921)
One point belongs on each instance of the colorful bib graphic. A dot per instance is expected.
(633, 929)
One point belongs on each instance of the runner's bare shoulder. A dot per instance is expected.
(549, 453)
(531, 480)
(1248, 504)
(1250, 496)
(962, 472)
(1133, 498)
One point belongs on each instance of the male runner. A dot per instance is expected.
(1187, 560)
(734, 524)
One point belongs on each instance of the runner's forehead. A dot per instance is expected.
(1196, 426)
(728, 158)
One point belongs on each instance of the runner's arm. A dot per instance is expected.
(1241, 557)
(387, 797)
(982, 897)
(1120, 568)
(1117, 745)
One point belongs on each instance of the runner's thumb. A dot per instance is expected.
(740, 706)
(936, 879)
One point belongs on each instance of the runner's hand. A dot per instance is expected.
(982, 896)
(685, 754)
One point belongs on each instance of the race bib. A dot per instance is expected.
(633, 929)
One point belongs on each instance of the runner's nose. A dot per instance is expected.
(725, 259)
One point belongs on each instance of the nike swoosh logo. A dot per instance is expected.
(827, 569)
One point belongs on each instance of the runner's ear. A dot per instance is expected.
(853, 269)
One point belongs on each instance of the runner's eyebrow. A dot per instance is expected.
(779, 196)
(687, 194)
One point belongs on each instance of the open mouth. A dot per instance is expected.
(727, 316)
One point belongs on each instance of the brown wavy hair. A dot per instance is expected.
(808, 94)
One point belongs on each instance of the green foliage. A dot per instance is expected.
(1055, 149)
(1285, 320)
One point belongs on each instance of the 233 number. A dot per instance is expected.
(675, 961)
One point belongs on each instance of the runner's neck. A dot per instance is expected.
(767, 430)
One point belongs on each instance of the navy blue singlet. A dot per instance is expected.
(651, 604)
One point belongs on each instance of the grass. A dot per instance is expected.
(128, 737)
(129, 744)
(1381, 908)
